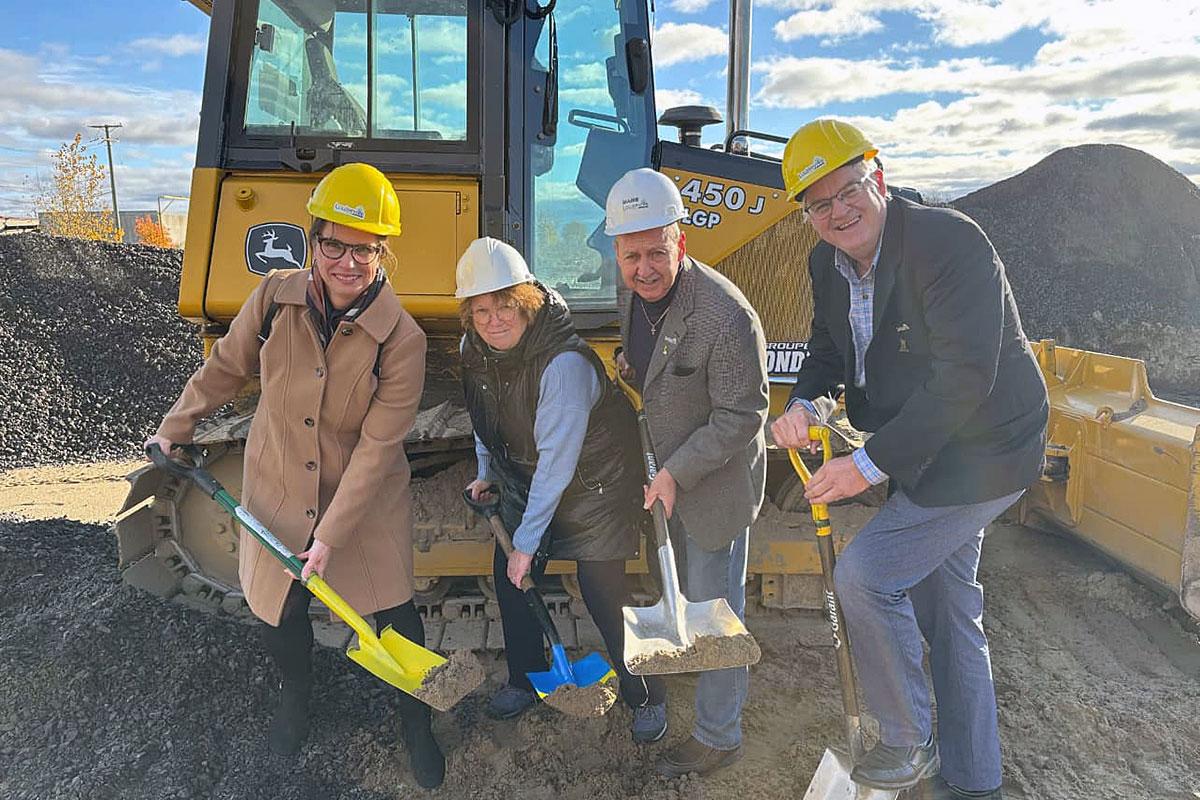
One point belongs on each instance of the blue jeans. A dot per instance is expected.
(911, 572)
(708, 575)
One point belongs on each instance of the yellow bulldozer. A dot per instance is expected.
(512, 119)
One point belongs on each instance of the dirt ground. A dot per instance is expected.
(107, 692)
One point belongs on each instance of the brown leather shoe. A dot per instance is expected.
(692, 756)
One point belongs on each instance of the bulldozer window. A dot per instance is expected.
(388, 69)
(603, 129)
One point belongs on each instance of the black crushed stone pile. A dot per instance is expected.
(108, 693)
(93, 352)
(1102, 247)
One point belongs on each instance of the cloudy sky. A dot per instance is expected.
(957, 93)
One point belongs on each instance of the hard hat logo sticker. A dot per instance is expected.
(275, 245)
(634, 204)
(816, 164)
(358, 212)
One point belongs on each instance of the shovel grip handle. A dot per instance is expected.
(197, 475)
(506, 546)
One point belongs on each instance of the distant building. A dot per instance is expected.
(17, 225)
(175, 223)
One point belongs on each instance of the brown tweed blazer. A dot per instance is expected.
(706, 400)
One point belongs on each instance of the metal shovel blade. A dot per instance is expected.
(832, 781)
(691, 637)
(588, 670)
(424, 674)
(427, 676)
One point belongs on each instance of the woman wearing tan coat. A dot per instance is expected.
(342, 368)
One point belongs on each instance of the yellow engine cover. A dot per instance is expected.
(258, 223)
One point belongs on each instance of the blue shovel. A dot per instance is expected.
(578, 688)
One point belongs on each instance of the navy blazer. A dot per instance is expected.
(953, 395)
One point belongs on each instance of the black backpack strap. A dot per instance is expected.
(268, 318)
(378, 362)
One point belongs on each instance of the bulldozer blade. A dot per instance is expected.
(692, 637)
(832, 781)
(1189, 581)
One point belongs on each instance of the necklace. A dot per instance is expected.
(653, 323)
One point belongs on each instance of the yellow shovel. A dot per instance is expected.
(832, 779)
(424, 674)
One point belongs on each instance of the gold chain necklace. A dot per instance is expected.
(652, 323)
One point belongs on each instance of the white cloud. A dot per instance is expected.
(176, 45)
(592, 96)
(669, 98)
(452, 95)
(814, 82)
(689, 41)
(690, 6)
(833, 24)
(590, 73)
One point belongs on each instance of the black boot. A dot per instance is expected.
(290, 646)
(424, 755)
(289, 724)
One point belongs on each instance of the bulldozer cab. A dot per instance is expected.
(494, 118)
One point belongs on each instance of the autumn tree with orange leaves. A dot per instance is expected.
(152, 233)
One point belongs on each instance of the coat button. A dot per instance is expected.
(320, 372)
(310, 466)
(347, 331)
(309, 422)
(311, 513)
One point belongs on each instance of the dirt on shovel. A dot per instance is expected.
(447, 683)
(582, 701)
(706, 652)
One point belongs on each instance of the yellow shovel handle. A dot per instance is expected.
(334, 602)
(820, 511)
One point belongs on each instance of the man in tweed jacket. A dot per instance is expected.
(694, 347)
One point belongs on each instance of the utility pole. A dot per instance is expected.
(112, 176)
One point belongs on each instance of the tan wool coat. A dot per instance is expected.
(325, 456)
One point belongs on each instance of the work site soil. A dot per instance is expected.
(108, 692)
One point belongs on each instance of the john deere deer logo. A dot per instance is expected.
(275, 245)
(270, 251)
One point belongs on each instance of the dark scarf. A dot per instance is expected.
(323, 312)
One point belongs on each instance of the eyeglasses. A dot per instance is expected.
(821, 209)
(335, 248)
(504, 313)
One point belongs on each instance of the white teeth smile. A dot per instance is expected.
(846, 225)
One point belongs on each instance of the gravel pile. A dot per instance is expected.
(1102, 247)
(93, 351)
(109, 693)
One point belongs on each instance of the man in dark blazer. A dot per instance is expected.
(694, 348)
(913, 314)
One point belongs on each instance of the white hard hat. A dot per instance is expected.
(489, 265)
(642, 199)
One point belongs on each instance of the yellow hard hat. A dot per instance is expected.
(817, 149)
(357, 196)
